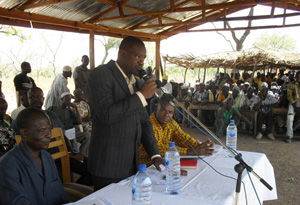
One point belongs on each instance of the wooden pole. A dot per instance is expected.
(204, 75)
(185, 75)
(157, 58)
(254, 69)
(92, 49)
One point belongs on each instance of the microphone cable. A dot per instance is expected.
(198, 156)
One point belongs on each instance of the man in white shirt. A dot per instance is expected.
(58, 87)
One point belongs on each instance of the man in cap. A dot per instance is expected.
(224, 93)
(81, 74)
(70, 120)
(167, 87)
(58, 87)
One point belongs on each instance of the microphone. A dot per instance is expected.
(143, 75)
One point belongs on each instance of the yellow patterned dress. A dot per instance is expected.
(164, 136)
(84, 111)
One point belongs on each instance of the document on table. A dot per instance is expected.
(218, 149)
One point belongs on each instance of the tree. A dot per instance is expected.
(238, 41)
(53, 48)
(275, 41)
(110, 43)
(12, 31)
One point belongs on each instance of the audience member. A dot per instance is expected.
(167, 130)
(149, 75)
(70, 120)
(201, 97)
(84, 110)
(264, 103)
(81, 74)
(166, 88)
(24, 104)
(225, 113)
(28, 174)
(7, 135)
(23, 82)
(236, 96)
(120, 120)
(224, 93)
(58, 87)
(36, 100)
(185, 97)
(248, 99)
(293, 95)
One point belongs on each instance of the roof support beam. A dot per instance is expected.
(236, 28)
(184, 9)
(51, 21)
(243, 18)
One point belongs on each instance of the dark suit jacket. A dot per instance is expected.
(120, 123)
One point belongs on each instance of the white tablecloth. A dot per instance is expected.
(201, 186)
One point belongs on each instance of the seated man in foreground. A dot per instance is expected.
(167, 130)
(28, 174)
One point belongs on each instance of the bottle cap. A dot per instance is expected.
(231, 121)
(172, 144)
(142, 167)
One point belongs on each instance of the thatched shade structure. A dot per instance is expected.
(240, 60)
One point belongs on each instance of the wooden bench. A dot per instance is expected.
(204, 107)
(215, 107)
(281, 111)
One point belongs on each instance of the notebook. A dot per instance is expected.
(188, 163)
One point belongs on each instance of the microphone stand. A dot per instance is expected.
(239, 168)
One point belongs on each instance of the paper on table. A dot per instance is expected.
(157, 178)
(218, 149)
(101, 201)
(70, 133)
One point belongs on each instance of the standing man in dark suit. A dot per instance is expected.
(119, 117)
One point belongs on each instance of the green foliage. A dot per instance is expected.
(12, 31)
(275, 41)
(112, 43)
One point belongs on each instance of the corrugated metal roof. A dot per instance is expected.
(145, 18)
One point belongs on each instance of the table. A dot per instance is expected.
(201, 186)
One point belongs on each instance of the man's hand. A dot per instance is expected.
(205, 148)
(158, 161)
(149, 88)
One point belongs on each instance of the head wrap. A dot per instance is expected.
(67, 68)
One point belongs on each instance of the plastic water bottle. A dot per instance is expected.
(231, 137)
(172, 170)
(141, 187)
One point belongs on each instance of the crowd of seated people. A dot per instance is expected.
(234, 96)
(261, 94)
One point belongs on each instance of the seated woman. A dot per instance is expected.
(28, 173)
(84, 110)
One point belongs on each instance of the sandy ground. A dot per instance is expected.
(284, 157)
